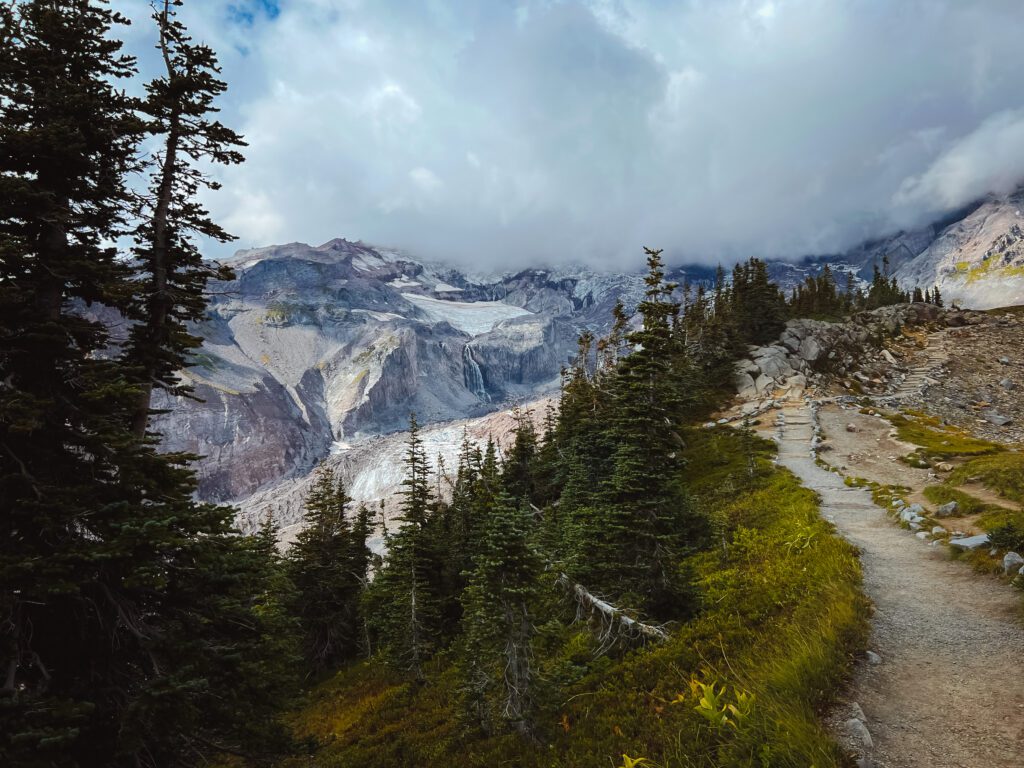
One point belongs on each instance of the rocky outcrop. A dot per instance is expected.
(809, 350)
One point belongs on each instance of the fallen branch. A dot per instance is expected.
(615, 621)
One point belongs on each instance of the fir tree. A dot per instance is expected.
(403, 605)
(644, 525)
(499, 605)
(136, 626)
(328, 566)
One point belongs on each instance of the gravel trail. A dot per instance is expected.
(948, 691)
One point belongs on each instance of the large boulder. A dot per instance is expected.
(1012, 562)
(744, 384)
(970, 542)
(810, 350)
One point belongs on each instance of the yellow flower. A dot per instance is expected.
(632, 762)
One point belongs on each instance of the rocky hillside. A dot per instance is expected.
(312, 348)
(309, 348)
(977, 261)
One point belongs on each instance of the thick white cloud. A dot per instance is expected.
(505, 133)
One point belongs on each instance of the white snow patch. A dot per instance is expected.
(403, 282)
(365, 262)
(474, 317)
(382, 316)
(447, 288)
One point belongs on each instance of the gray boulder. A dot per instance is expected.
(810, 350)
(744, 384)
(947, 509)
(992, 417)
(859, 733)
(971, 542)
(1012, 562)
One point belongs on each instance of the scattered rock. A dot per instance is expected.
(857, 712)
(947, 509)
(938, 530)
(1012, 561)
(992, 417)
(922, 535)
(1007, 384)
(851, 427)
(971, 542)
(1004, 361)
(859, 732)
(873, 657)
(944, 466)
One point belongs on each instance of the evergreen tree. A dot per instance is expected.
(136, 625)
(171, 274)
(404, 607)
(644, 525)
(328, 566)
(518, 467)
(499, 605)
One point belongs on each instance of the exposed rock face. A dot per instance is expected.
(977, 261)
(808, 349)
(308, 347)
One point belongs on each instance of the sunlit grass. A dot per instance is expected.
(782, 617)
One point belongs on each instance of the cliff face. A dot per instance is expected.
(313, 347)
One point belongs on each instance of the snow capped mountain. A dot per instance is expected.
(312, 348)
(309, 347)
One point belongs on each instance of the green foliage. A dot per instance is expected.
(403, 604)
(1002, 472)
(139, 628)
(328, 566)
(500, 603)
(966, 504)
(938, 440)
(781, 616)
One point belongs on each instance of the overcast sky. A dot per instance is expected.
(553, 131)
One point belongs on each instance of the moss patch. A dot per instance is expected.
(938, 440)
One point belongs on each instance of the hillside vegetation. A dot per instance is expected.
(780, 615)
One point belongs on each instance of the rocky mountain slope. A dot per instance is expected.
(309, 348)
(313, 347)
(977, 261)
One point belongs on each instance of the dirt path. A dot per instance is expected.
(948, 690)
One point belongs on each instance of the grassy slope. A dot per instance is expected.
(988, 463)
(782, 616)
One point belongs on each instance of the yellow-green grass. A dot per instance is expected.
(1002, 473)
(966, 503)
(782, 616)
(938, 440)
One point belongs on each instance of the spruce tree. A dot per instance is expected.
(136, 631)
(518, 467)
(645, 524)
(403, 605)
